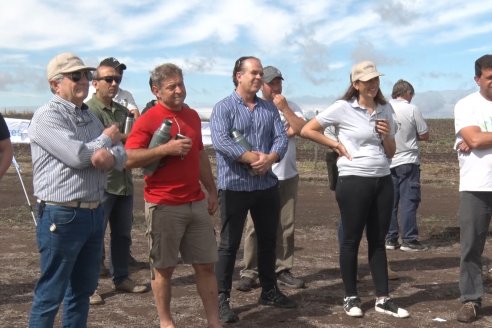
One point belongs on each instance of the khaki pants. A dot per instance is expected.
(285, 233)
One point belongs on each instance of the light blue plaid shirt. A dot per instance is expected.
(262, 128)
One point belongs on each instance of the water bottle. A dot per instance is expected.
(241, 140)
(161, 136)
(129, 122)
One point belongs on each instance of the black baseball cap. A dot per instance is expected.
(112, 62)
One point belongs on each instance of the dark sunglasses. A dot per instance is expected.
(110, 79)
(77, 76)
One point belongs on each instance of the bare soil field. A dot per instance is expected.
(427, 287)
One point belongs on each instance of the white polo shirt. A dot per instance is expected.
(356, 131)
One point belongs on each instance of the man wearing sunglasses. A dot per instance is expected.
(122, 97)
(71, 153)
(118, 195)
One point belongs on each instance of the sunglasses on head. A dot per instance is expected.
(77, 76)
(110, 79)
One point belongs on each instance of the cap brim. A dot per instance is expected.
(370, 76)
(268, 80)
(78, 68)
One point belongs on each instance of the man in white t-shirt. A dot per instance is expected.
(473, 124)
(405, 169)
(286, 172)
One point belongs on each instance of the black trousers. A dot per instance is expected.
(264, 207)
(364, 202)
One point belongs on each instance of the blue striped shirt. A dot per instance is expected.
(63, 139)
(262, 128)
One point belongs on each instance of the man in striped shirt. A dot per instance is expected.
(71, 152)
(246, 181)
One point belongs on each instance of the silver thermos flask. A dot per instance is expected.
(161, 136)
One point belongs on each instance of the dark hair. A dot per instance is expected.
(150, 83)
(483, 62)
(354, 93)
(163, 72)
(238, 66)
(402, 88)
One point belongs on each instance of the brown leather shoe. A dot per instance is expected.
(128, 286)
(392, 275)
(96, 299)
(468, 312)
(246, 284)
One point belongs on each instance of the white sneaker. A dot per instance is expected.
(387, 306)
(351, 305)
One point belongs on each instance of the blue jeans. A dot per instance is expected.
(118, 212)
(70, 256)
(406, 183)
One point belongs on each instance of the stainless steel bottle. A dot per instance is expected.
(161, 136)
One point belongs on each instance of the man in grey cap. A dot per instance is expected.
(288, 180)
(71, 153)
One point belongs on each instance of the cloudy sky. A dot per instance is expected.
(433, 44)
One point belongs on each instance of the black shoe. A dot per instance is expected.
(275, 297)
(286, 278)
(226, 315)
(392, 243)
(413, 246)
(246, 284)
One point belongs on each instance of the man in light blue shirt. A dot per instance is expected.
(246, 181)
(71, 153)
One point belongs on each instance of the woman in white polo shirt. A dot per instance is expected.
(364, 190)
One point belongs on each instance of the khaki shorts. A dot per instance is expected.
(187, 229)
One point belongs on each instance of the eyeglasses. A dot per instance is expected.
(110, 79)
(77, 76)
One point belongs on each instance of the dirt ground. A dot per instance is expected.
(427, 286)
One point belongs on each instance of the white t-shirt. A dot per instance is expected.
(356, 131)
(123, 98)
(287, 168)
(475, 166)
(410, 124)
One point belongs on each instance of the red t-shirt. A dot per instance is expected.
(177, 181)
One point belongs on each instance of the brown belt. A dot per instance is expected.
(75, 204)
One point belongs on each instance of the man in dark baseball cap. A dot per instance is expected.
(113, 62)
(122, 97)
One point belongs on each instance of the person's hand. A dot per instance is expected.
(213, 203)
(179, 147)
(113, 132)
(263, 164)
(462, 146)
(135, 112)
(102, 159)
(342, 151)
(280, 102)
(382, 128)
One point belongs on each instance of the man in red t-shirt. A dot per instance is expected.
(177, 215)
